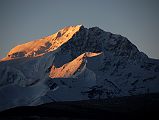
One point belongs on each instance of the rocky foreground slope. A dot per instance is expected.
(74, 64)
(137, 107)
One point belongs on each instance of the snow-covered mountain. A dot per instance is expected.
(73, 64)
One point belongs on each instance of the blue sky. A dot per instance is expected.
(25, 20)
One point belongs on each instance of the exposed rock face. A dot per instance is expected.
(75, 63)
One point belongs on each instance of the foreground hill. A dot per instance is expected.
(125, 108)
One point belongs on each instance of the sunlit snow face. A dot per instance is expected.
(40, 47)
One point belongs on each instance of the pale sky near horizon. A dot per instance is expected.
(25, 20)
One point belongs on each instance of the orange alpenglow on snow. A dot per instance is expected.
(41, 46)
(71, 68)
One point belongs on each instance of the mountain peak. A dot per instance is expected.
(81, 40)
(75, 63)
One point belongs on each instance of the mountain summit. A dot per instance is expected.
(43, 45)
(75, 63)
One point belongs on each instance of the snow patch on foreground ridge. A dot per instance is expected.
(75, 63)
